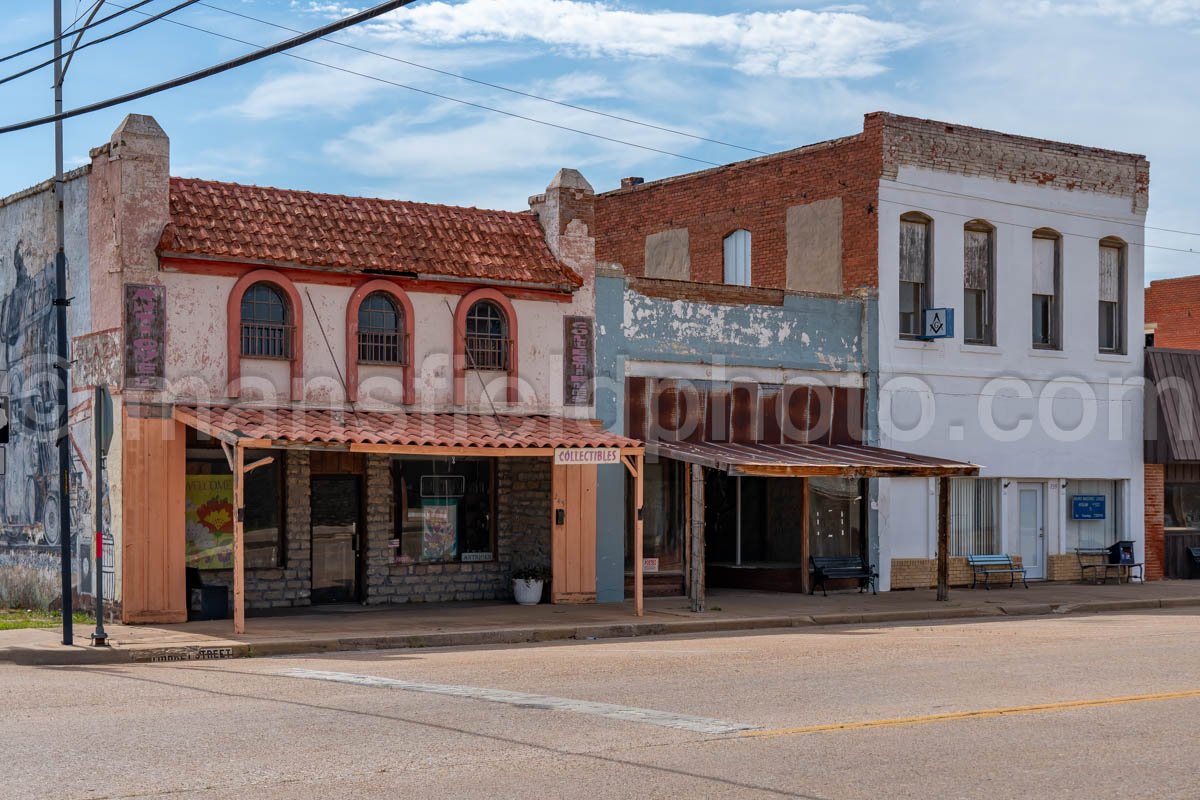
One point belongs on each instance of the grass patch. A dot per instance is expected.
(13, 619)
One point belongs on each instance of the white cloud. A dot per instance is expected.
(1155, 12)
(795, 43)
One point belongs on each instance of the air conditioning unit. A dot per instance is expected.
(937, 323)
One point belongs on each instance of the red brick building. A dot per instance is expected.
(1173, 313)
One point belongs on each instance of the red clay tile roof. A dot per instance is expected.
(319, 426)
(286, 227)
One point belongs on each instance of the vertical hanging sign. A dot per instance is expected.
(145, 336)
(579, 360)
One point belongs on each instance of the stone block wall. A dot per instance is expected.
(522, 536)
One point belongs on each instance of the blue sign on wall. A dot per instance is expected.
(1087, 506)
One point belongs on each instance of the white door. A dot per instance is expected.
(1032, 529)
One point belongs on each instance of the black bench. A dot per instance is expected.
(989, 565)
(1098, 561)
(834, 568)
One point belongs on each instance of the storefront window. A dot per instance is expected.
(1181, 506)
(443, 510)
(664, 517)
(208, 486)
(974, 516)
(1094, 513)
(835, 518)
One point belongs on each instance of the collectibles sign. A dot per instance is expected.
(145, 336)
(584, 456)
(579, 360)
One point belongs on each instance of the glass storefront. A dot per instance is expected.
(443, 510)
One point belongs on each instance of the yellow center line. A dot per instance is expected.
(985, 713)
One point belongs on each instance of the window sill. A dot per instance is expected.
(1117, 358)
(919, 344)
(986, 349)
(1039, 352)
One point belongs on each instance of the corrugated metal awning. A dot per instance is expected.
(810, 460)
(1172, 406)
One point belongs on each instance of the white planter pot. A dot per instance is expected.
(528, 593)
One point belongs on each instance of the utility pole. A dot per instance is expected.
(64, 367)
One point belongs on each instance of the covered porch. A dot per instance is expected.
(754, 515)
(377, 508)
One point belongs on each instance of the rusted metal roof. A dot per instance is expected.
(284, 227)
(384, 431)
(1172, 409)
(810, 460)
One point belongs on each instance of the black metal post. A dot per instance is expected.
(60, 306)
(99, 638)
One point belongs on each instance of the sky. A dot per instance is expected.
(764, 75)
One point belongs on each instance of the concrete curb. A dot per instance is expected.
(219, 650)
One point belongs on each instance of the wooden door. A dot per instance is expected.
(573, 537)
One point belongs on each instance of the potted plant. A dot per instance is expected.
(527, 583)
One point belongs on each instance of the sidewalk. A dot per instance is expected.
(342, 628)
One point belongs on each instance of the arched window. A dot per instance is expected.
(916, 278)
(737, 258)
(488, 345)
(381, 331)
(266, 323)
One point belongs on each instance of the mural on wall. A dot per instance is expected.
(30, 504)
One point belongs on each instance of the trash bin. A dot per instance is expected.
(1121, 553)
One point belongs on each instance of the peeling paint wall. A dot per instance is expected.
(684, 335)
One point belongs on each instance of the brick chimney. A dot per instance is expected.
(567, 213)
(629, 183)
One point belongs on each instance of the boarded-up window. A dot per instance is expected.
(978, 282)
(915, 289)
(1046, 288)
(1112, 292)
(737, 258)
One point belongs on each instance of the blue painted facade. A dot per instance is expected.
(670, 337)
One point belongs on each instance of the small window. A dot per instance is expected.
(1112, 294)
(916, 290)
(266, 323)
(1047, 288)
(979, 281)
(380, 331)
(737, 258)
(488, 344)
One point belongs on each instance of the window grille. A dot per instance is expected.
(266, 328)
(488, 344)
(381, 331)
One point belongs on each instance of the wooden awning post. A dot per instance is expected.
(639, 602)
(239, 549)
(696, 529)
(805, 534)
(943, 545)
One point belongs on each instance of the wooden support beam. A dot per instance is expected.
(805, 537)
(639, 601)
(262, 462)
(696, 529)
(239, 540)
(943, 545)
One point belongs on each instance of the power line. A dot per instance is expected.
(1095, 217)
(97, 23)
(216, 69)
(149, 19)
(451, 99)
(502, 88)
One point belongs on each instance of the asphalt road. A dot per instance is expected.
(1078, 706)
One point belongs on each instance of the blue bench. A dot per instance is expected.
(989, 565)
